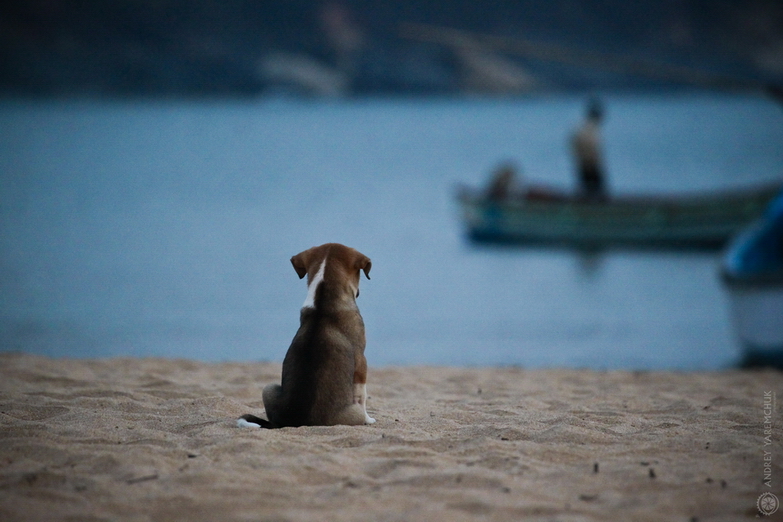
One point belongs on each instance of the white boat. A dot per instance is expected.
(752, 273)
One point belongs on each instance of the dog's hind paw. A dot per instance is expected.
(368, 420)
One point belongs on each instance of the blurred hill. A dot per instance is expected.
(251, 47)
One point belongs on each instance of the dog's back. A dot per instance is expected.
(318, 368)
(325, 362)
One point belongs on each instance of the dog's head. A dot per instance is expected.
(340, 264)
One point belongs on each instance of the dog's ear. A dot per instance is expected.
(363, 263)
(300, 264)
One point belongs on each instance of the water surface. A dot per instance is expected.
(165, 228)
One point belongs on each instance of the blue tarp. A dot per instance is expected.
(757, 254)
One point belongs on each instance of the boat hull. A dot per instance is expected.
(703, 221)
(757, 313)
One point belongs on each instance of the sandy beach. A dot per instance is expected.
(156, 440)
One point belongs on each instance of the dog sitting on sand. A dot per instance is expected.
(324, 371)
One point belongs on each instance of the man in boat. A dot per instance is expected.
(505, 183)
(586, 147)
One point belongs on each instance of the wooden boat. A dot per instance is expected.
(752, 273)
(705, 220)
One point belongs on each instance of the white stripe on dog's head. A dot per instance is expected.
(313, 286)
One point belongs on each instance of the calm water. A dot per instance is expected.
(165, 228)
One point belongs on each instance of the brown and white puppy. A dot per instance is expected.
(324, 371)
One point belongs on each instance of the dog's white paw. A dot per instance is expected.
(368, 419)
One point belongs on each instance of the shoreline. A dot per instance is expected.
(156, 439)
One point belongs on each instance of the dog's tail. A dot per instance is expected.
(251, 421)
